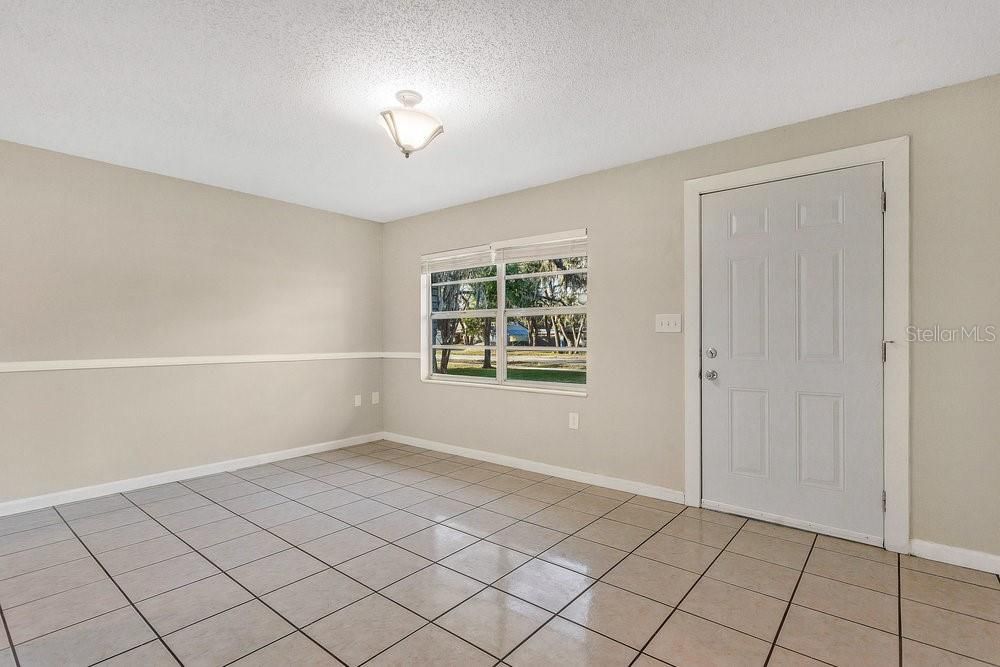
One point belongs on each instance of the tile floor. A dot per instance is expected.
(386, 554)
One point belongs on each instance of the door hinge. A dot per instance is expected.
(883, 500)
(885, 351)
(883, 201)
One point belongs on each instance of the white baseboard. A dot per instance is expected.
(98, 490)
(651, 490)
(794, 523)
(977, 560)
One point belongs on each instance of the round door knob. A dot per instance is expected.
(712, 375)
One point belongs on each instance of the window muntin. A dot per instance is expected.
(539, 305)
(460, 275)
(554, 264)
(463, 296)
(472, 363)
(546, 366)
(466, 331)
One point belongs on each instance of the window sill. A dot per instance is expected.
(581, 393)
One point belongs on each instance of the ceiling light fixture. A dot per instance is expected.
(409, 128)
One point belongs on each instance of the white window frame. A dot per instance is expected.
(537, 244)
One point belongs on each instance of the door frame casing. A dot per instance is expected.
(894, 154)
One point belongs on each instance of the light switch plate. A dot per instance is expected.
(574, 420)
(668, 324)
(375, 398)
(357, 400)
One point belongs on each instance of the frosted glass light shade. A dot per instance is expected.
(410, 129)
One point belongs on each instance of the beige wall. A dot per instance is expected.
(98, 261)
(631, 422)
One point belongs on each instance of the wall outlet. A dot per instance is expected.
(357, 400)
(668, 324)
(574, 420)
(375, 398)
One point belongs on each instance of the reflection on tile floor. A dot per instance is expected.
(388, 554)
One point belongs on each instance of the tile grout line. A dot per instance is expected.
(950, 651)
(47, 567)
(677, 606)
(39, 546)
(238, 583)
(439, 563)
(940, 576)
(25, 530)
(820, 611)
(295, 632)
(155, 640)
(777, 633)
(405, 509)
(529, 555)
(506, 493)
(58, 592)
(112, 579)
(432, 562)
(809, 657)
(10, 638)
(479, 539)
(75, 623)
(491, 585)
(334, 568)
(591, 585)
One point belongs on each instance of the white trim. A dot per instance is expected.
(977, 560)
(541, 239)
(457, 253)
(467, 281)
(793, 523)
(464, 314)
(121, 486)
(400, 355)
(544, 348)
(147, 362)
(508, 386)
(425, 326)
(641, 488)
(894, 154)
(540, 311)
(542, 274)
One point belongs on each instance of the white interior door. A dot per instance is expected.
(792, 326)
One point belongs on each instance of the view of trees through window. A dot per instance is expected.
(540, 315)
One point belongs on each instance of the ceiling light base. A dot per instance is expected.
(409, 98)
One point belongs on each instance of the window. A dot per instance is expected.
(511, 313)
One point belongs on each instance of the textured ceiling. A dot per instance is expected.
(280, 98)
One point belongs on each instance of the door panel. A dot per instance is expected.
(748, 432)
(792, 305)
(748, 307)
